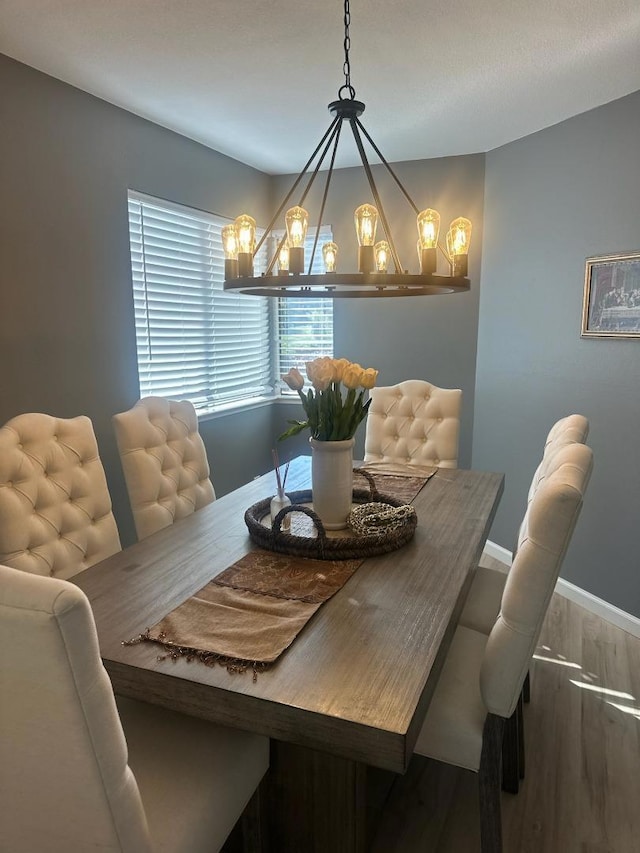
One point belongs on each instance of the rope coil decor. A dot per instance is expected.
(376, 519)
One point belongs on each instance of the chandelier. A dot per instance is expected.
(374, 278)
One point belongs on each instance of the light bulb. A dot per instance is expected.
(246, 235)
(296, 219)
(458, 239)
(381, 250)
(428, 231)
(329, 255)
(366, 220)
(230, 247)
(283, 259)
(230, 242)
(428, 228)
(460, 230)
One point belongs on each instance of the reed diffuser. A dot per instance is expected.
(280, 499)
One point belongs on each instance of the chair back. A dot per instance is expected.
(164, 462)
(573, 429)
(55, 507)
(414, 423)
(65, 783)
(544, 537)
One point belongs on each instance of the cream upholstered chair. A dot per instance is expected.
(69, 781)
(55, 508)
(479, 688)
(483, 602)
(413, 423)
(164, 462)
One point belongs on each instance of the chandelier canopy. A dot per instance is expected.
(373, 278)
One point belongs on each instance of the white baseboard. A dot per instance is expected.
(498, 553)
(620, 618)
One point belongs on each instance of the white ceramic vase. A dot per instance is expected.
(332, 480)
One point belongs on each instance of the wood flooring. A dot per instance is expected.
(581, 793)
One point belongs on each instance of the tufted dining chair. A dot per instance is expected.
(55, 508)
(79, 772)
(413, 423)
(164, 462)
(483, 601)
(480, 684)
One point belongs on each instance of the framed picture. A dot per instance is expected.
(611, 306)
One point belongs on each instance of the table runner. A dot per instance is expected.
(250, 613)
(403, 487)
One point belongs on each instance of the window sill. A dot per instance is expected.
(225, 409)
(289, 399)
(222, 410)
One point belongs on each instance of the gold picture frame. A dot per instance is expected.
(611, 304)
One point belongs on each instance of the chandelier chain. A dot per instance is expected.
(346, 68)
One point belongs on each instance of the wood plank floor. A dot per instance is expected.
(582, 786)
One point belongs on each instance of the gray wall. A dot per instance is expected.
(67, 342)
(431, 338)
(553, 199)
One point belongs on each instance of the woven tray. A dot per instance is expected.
(346, 546)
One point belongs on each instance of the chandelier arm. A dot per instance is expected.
(445, 255)
(324, 196)
(333, 131)
(317, 166)
(388, 167)
(399, 183)
(376, 196)
(295, 184)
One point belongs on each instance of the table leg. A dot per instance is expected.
(318, 802)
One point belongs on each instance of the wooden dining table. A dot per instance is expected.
(344, 703)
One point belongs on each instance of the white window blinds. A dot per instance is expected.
(305, 325)
(195, 341)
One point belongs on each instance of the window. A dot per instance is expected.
(197, 341)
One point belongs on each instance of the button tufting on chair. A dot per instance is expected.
(164, 462)
(414, 422)
(43, 462)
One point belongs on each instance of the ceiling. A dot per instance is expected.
(253, 80)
